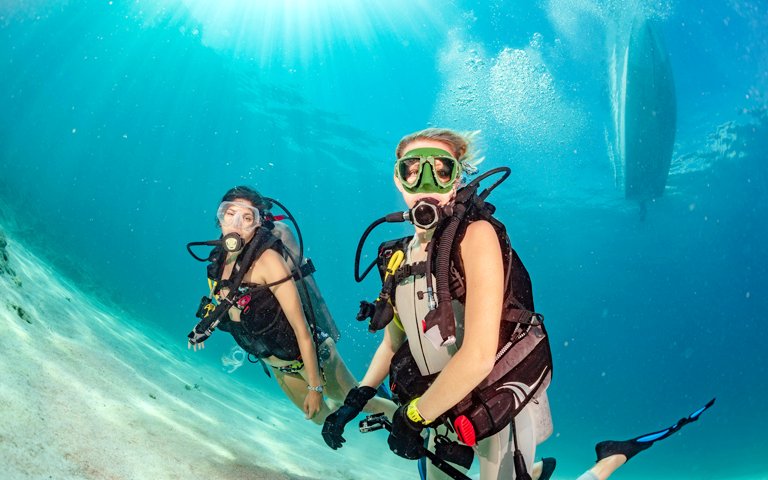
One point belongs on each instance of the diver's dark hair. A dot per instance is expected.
(247, 193)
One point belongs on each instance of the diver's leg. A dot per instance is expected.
(543, 469)
(605, 467)
(340, 381)
(542, 420)
(339, 378)
(496, 452)
(588, 476)
(536, 470)
(542, 417)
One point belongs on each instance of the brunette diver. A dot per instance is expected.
(262, 292)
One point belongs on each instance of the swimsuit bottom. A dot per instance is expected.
(323, 352)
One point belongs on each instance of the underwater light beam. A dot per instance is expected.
(298, 32)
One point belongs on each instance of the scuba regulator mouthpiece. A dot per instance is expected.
(426, 213)
(232, 242)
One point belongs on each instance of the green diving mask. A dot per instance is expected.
(427, 170)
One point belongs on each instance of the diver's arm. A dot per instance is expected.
(484, 271)
(379, 367)
(274, 268)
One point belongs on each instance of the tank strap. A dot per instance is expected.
(306, 270)
(418, 269)
(523, 317)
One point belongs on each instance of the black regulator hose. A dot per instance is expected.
(295, 225)
(466, 199)
(393, 217)
(442, 313)
(444, 255)
(209, 243)
(507, 172)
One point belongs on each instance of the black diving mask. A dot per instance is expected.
(231, 242)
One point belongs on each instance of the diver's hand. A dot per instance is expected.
(196, 339)
(353, 405)
(335, 423)
(312, 403)
(405, 437)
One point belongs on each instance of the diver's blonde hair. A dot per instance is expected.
(463, 144)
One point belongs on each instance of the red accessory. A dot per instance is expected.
(465, 430)
(243, 301)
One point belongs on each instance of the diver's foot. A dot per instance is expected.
(547, 468)
(628, 448)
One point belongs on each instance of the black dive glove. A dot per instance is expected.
(198, 335)
(210, 317)
(353, 405)
(405, 437)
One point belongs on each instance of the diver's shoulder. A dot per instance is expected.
(480, 231)
(480, 238)
(268, 267)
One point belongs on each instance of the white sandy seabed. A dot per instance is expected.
(88, 395)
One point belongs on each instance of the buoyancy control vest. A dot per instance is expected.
(263, 330)
(523, 366)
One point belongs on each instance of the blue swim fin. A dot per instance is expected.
(630, 448)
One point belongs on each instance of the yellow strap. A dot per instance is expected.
(394, 263)
(412, 411)
(212, 286)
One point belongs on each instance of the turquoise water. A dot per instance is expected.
(122, 123)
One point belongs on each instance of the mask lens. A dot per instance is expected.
(238, 215)
(444, 170)
(409, 170)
